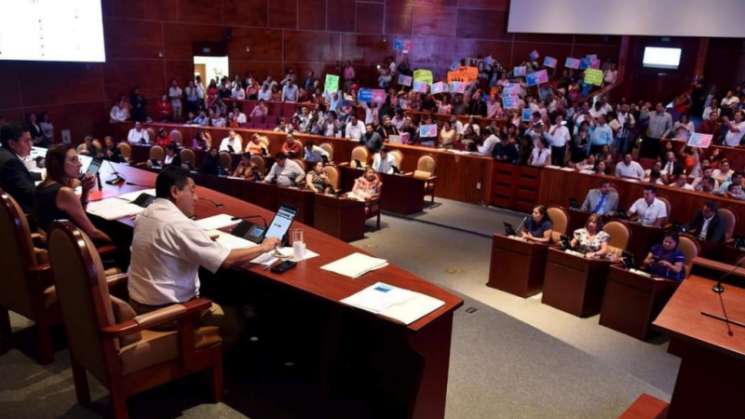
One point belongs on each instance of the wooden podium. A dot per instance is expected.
(574, 283)
(517, 266)
(342, 218)
(631, 301)
(711, 378)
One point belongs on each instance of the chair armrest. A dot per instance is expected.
(106, 249)
(114, 280)
(174, 312)
(407, 173)
(39, 239)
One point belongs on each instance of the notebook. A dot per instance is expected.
(355, 265)
(398, 304)
(113, 208)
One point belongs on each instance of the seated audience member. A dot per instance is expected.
(666, 260)
(314, 153)
(508, 152)
(540, 156)
(233, 143)
(89, 147)
(591, 239)
(138, 135)
(672, 167)
(706, 174)
(490, 142)
(201, 119)
(723, 172)
(255, 146)
(735, 179)
(202, 140)
(628, 168)
(292, 147)
(681, 182)
(587, 165)
(316, 179)
(284, 171)
(172, 157)
(707, 185)
(354, 129)
(371, 139)
(246, 169)
(735, 191)
(706, 225)
(15, 178)
(162, 139)
(538, 226)
(168, 248)
(110, 151)
(366, 187)
(601, 168)
(56, 198)
(649, 210)
(448, 135)
(601, 201)
(259, 112)
(384, 162)
(120, 111)
(211, 164)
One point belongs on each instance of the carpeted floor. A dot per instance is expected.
(511, 358)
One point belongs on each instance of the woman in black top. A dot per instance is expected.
(55, 196)
(538, 227)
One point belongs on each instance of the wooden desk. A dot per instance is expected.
(517, 266)
(632, 301)
(302, 200)
(427, 341)
(342, 218)
(401, 194)
(574, 284)
(712, 371)
(709, 268)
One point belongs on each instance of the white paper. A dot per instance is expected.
(131, 196)
(230, 241)
(355, 265)
(395, 303)
(113, 208)
(270, 257)
(217, 222)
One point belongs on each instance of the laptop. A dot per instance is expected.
(509, 230)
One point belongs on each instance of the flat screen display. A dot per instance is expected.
(281, 222)
(658, 57)
(52, 30)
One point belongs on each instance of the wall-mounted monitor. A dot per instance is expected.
(659, 57)
(52, 30)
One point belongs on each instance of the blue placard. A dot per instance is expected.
(365, 95)
(527, 114)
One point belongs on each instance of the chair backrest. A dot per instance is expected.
(157, 153)
(188, 157)
(17, 256)
(667, 206)
(333, 176)
(398, 158)
(619, 235)
(226, 160)
(125, 149)
(689, 247)
(560, 220)
(425, 167)
(329, 149)
(83, 296)
(264, 142)
(729, 220)
(360, 154)
(260, 164)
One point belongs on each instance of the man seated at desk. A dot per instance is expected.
(538, 226)
(15, 178)
(315, 154)
(628, 168)
(649, 210)
(284, 172)
(666, 260)
(138, 135)
(591, 240)
(168, 248)
(384, 162)
(233, 143)
(707, 226)
(601, 201)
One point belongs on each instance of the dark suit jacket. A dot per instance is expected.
(16, 180)
(715, 232)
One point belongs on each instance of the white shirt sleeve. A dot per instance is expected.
(195, 245)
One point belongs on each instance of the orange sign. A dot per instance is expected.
(466, 74)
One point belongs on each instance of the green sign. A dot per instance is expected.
(423, 75)
(594, 76)
(332, 83)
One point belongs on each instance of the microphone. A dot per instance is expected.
(718, 287)
(117, 179)
(216, 204)
(522, 224)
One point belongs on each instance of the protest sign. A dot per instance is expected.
(332, 83)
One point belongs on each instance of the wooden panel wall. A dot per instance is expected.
(149, 43)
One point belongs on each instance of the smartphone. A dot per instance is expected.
(92, 168)
(284, 266)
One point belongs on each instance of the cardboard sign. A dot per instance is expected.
(402, 45)
(371, 95)
(527, 114)
(510, 101)
(550, 62)
(594, 77)
(420, 86)
(571, 63)
(584, 63)
(332, 83)
(536, 78)
(465, 74)
(700, 140)
(404, 80)
(534, 55)
(512, 89)
(457, 87)
(428, 131)
(378, 95)
(519, 71)
(439, 87)
(423, 75)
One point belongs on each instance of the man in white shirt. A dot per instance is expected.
(650, 210)
(490, 142)
(735, 131)
(138, 135)
(168, 248)
(628, 168)
(384, 162)
(233, 143)
(284, 172)
(355, 128)
(174, 94)
(558, 137)
(314, 153)
(290, 92)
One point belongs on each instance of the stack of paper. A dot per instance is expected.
(230, 241)
(355, 265)
(399, 304)
(272, 256)
(131, 196)
(113, 208)
(217, 222)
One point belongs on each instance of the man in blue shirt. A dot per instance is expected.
(600, 134)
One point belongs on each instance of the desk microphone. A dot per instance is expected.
(117, 179)
(522, 224)
(718, 287)
(216, 204)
